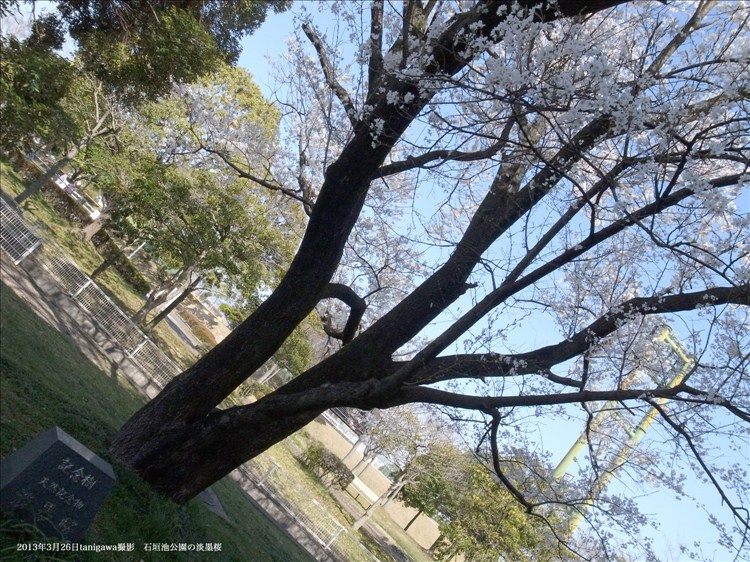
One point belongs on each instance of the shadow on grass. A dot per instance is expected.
(45, 381)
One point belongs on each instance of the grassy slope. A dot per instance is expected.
(45, 381)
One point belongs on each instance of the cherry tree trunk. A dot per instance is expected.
(181, 460)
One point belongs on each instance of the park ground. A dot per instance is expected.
(52, 375)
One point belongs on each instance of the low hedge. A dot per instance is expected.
(327, 466)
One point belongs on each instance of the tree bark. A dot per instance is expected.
(181, 460)
(51, 173)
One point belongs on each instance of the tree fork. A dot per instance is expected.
(188, 459)
(180, 459)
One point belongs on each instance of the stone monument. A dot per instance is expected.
(56, 484)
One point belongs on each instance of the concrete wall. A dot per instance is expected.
(424, 530)
(327, 434)
(371, 483)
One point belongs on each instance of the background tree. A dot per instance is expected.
(583, 163)
(204, 232)
(222, 123)
(33, 81)
(130, 53)
(435, 493)
(385, 433)
(415, 447)
(141, 48)
(484, 522)
(92, 116)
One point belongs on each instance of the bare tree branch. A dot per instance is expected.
(438, 156)
(543, 359)
(268, 184)
(741, 514)
(329, 74)
(430, 395)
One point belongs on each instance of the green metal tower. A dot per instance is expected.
(682, 367)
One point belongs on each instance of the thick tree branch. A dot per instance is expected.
(329, 74)
(543, 359)
(503, 292)
(375, 68)
(357, 307)
(503, 205)
(435, 396)
(438, 156)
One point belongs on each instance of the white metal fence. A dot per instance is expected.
(22, 240)
(280, 486)
(110, 317)
(16, 237)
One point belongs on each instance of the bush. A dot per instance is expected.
(254, 388)
(198, 328)
(327, 466)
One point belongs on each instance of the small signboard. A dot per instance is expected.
(56, 484)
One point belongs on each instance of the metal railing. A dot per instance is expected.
(280, 486)
(138, 347)
(23, 240)
(17, 238)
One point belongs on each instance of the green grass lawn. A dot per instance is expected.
(45, 382)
